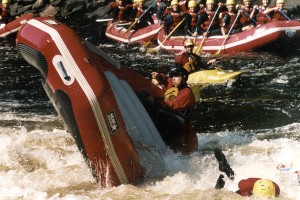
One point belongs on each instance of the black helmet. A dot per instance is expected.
(179, 71)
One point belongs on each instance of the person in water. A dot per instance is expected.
(191, 61)
(171, 114)
(178, 95)
(256, 187)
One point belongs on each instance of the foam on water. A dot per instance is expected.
(43, 164)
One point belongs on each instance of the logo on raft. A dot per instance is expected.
(112, 121)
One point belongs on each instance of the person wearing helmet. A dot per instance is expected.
(160, 8)
(258, 187)
(189, 60)
(138, 11)
(119, 11)
(191, 17)
(227, 19)
(171, 113)
(183, 97)
(277, 13)
(172, 17)
(261, 17)
(207, 20)
(248, 15)
(5, 16)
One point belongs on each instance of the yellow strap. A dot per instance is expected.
(171, 94)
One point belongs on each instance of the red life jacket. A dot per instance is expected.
(232, 19)
(262, 18)
(121, 15)
(277, 16)
(244, 18)
(211, 15)
(194, 18)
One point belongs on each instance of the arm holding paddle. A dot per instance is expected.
(198, 50)
(137, 19)
(226, 36)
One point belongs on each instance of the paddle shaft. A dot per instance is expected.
(284, 15)
(172, 31)
(103, 20)
(248, 16)
(199, 48)
(263, 13)
(213, 18)
(154, 2)
(228, 33)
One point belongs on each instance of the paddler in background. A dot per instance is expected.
(119, 12)
(5, 16)
(205, 18)
(261, 17)
(138, 11)
(227, 19)
(172, 17)
(191, 17)
(248, 15)
(160, 8)
(191, 61)
(277, 13)
(173, 123)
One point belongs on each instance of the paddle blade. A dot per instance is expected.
(219, 51)
(198, 50)
(153, 50)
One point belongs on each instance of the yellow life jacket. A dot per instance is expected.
(171, 94)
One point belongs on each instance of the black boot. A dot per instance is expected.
(223, 164)
(220, 182)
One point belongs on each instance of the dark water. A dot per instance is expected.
(264, 96)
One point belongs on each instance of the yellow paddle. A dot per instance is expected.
(155, 49)
(218, 52)
(198, 50)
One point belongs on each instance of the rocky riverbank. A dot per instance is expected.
(89, 8)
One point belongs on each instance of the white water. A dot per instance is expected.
(46, 164)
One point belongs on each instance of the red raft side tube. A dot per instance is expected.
(15, 25)
(83, 97)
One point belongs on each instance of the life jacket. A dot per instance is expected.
(194, 18)
(189, 61)
(204, 26)
(177, 19)
(232, 19)
(121, 15)
(261, 18)
(245, 15)
(171, 94)
(277, 16)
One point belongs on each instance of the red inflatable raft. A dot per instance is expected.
(243, 41)
(118, 32)
(96, 97)
(15, 25)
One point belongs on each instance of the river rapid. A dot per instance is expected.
(254, 120)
